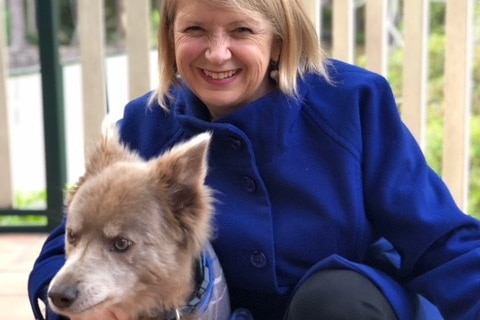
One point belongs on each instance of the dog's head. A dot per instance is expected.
(134, 229)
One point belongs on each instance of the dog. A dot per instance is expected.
(137, 236)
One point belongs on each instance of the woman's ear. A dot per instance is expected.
(276, 51)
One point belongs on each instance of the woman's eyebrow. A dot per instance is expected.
(247, 20)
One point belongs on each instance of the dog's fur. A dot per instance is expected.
(134, 230)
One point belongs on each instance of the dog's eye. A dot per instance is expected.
(121, 244)
(71, 237)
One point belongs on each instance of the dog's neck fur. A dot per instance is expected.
(185, 311)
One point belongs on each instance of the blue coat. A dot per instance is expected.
(332, 179)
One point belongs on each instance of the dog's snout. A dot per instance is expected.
(62, 296)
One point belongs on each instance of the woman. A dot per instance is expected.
(326, 207)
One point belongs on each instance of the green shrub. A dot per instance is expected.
(27, 200)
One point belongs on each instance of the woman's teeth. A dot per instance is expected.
(220, 75)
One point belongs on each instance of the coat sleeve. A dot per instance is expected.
(410, 205)
(50, 260)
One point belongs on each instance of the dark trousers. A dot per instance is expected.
(339, 294)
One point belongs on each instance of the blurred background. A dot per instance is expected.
(111, 32)
(65, 64)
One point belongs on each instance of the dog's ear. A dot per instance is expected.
(107, 151)
(186, 163)
(181, 174)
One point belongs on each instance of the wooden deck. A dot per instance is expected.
(17, 255)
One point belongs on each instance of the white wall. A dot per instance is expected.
(25, 112)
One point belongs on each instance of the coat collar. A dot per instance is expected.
(266, 122)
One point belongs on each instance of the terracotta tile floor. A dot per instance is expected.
(17, 255)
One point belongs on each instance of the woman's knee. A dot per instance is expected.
(339, 294)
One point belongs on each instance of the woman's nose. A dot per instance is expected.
(218, 50)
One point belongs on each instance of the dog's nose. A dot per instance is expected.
(62, 296)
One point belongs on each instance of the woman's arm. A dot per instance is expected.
(410, 205)
(50, 260)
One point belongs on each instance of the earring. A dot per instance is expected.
(274, 70)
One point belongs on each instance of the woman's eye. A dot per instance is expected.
(244, 30)
(121, 244)
(193, 29)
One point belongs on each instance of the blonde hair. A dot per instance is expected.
(300, 46)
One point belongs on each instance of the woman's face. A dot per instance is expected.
(223, 55)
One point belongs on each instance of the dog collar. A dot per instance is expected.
(201, 297)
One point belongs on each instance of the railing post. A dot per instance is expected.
(376, 36)
(92, 50)
(312, 7)
(458, 57)
(343, 30)
(414, 98)
(53, 109)
(6, 185)
(138, 46)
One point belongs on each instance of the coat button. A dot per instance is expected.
(258, 259)
(249, 184)
(241, 314)
(235, 143)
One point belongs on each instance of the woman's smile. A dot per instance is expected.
(220, 75)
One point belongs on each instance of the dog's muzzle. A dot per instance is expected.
(63, 295)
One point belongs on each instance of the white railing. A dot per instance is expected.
(459, 26)
(458, 69)
(6, 186)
